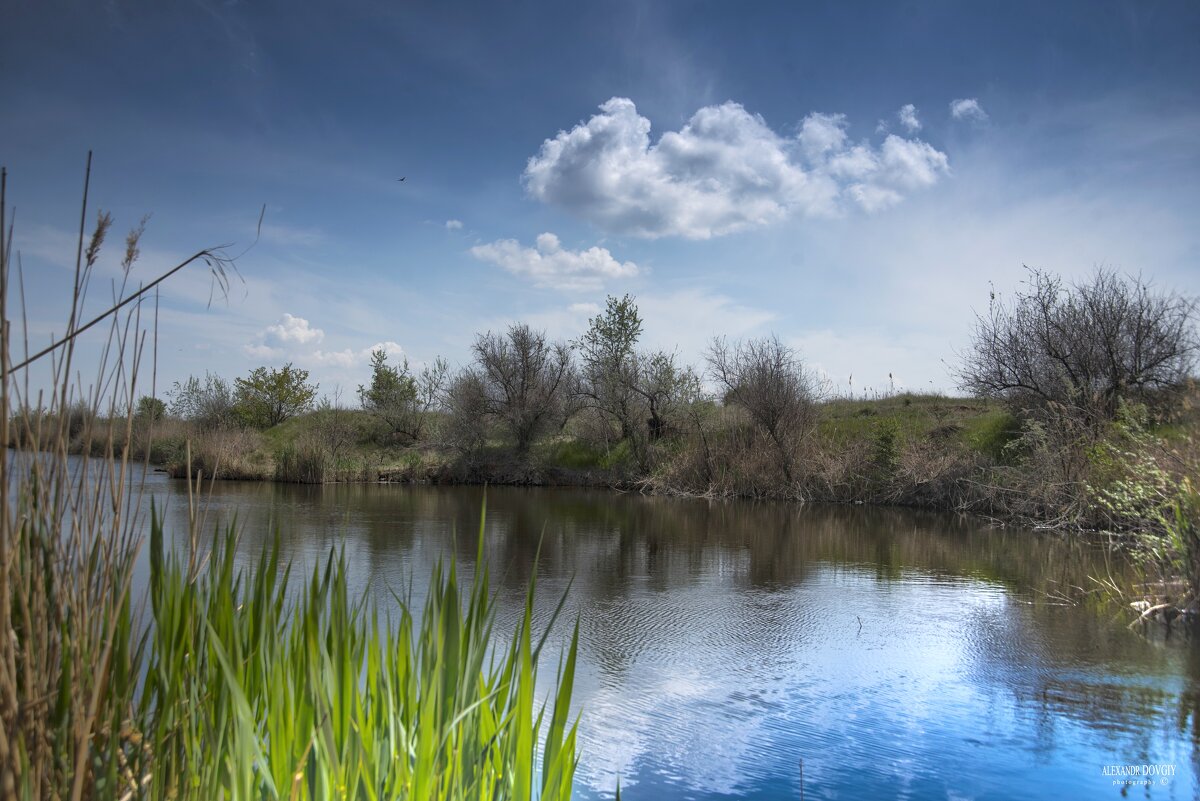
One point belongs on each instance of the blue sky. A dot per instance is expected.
(848, 176)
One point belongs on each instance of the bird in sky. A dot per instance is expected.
(401, 179)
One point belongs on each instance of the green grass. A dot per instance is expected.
(576, 454)
(911, 417)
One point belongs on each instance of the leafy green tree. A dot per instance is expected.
(607, 363)
(149, 408)
(400, 400)
(266, 398)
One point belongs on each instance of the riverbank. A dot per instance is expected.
(854, 444)
(925, 451)
(1128, 481)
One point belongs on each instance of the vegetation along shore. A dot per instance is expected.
(1080, 413)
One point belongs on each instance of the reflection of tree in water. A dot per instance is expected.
(653, 579)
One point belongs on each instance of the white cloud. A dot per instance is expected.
(967, 108)
(548, 264)
(393, 350)
(348, 357)
(291, 329)
(687, 320)
(336, 358)
(259, 351)
(726, 170)
(821, 134)
(908, 118)
(590, 309)
(454, 225)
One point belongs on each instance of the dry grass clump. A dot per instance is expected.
(70, 649)
(231, 453)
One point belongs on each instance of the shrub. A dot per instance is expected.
(268, 397)
(1080, 349)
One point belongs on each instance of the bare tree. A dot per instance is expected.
(1081, 347)
(767, 379)
(466, 402)
(209, 403)
(525, 380)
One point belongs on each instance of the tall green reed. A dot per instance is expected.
(253, 692)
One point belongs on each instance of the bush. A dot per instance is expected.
(768, 380)
(268, 397)
(1081, 349)
(208, 404)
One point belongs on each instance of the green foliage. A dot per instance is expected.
(885, 448)
(990, 434)
(392, 388)
(150, 408)
(576, 454)
(254, 692)
(301, 463)
(607, 369)
(267, 397)
(610, 338)
(400, 400)
(1131, 486)
(616, 456)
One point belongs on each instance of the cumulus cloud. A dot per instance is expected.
(967, 108)
(292, 329)
(454, 225)
(349, 357)
(725, 170)
(336, 358)
(908, 118)
(259, 351)
(548, 264)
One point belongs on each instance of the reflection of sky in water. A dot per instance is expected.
(721, 644)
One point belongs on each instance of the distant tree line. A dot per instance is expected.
(1065, 354)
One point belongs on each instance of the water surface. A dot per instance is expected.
(738, 650)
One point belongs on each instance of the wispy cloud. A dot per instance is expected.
(908, 118)
(726, 170)
(454, 225)
(550, 265)
(967, 108)
(290, 235)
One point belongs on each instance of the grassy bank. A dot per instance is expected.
(1131, 478)
(931, 451)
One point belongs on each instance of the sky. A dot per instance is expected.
(853, 178)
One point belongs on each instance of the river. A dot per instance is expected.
(759, 651)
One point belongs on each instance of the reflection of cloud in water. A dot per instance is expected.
(720, 643)
(689, 745)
